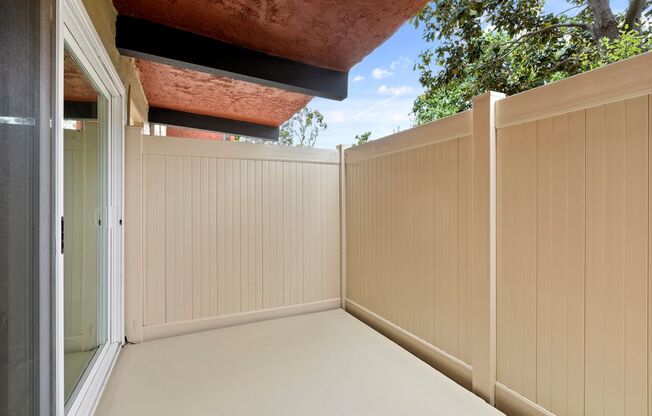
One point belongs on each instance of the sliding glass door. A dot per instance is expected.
(84, 228)
(88, 213)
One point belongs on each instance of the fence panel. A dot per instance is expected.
(573, 245)
(231, 230)
(510, 246)
(409, 237)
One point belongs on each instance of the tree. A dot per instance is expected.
(512, 45)
(303, 128)
(362, 138)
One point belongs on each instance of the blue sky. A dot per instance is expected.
(383, 86)
(381, 90)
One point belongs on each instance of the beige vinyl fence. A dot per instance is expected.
(221, 233)
(510, 245)
(573, 251)
(408, 234)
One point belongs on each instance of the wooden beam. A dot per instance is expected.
(76, 110)
(198, 121)
(163, 44)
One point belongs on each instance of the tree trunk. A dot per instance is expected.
(633, 16)
(605, 24)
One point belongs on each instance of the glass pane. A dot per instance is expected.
(84, 231)
(24, 202)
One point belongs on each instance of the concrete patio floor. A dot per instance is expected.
(326, 363)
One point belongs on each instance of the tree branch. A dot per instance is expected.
(571, 8)
(583, 26)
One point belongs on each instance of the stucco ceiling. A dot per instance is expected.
(201, 93)
(76, 86)
(333, 34)
(193, 133)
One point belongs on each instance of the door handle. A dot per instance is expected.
(62, 234)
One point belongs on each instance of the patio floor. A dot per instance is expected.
(326, 363)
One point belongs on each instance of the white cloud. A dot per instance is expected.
(379, 73)
(358, 78)
(403, 62)
(368, 112)
(397, 91)
(336, 117)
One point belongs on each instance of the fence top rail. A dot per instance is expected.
(173, 146)
(625, 79)
(449, 128)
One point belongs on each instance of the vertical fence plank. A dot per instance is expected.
(517, 257)
(424, 245)
(595, 277)
(229, 197)
(614, 204)
(211, 238)
(636, 223)
(172, 285)
(546, 265)
(185, 240)
(575, 260)
(222, 206)
(244, 236)
(465, 243)
(198, 253)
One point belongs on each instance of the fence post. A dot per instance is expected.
(484, 246)
(343, 266)
(132, 223)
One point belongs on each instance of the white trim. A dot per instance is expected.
(449, 128)
(451, 366)
(75, 29)
(198, 325)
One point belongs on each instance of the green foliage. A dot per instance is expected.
(362, 138)
(511, 46)
(629, 44)
(440, 103)
(303, 128)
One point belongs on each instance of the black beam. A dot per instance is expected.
(150, 41)
(77, 110)
(197, 121)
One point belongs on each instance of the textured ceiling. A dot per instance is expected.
(194, 134)
(76, 86)
(200, 93)
(333, 34)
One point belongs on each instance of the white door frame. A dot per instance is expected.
(75, 29)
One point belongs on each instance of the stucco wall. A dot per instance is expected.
(103, 15)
